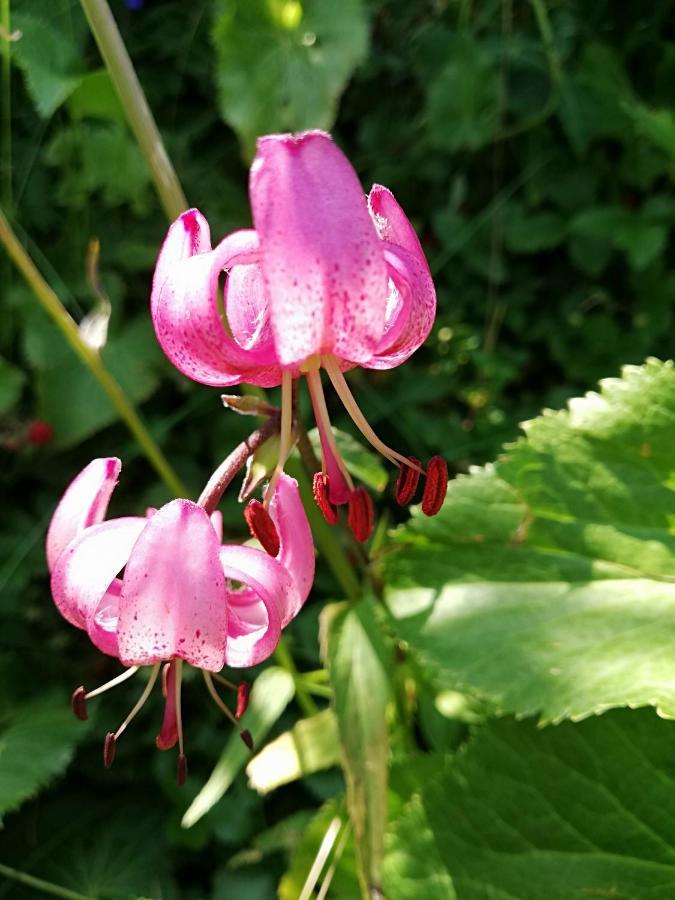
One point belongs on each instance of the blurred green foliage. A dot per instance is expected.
(532, 143)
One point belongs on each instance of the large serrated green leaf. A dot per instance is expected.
(36, 747)
(564, 813)
(547, 582)
(282, 64)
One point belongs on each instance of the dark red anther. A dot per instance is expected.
(78, 703)
(320, 491)
(243, 691)
(361, 514)
(109, 749)
(435, 486)
(262, 527)
(181, 769)
(246, 737)
(406, 485)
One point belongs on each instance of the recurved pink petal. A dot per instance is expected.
(173, 592)
(321, 258)
(392, 223)
(88, 566)
(296, 550)
(410, 318)
(102, 626)
(247, 308)
(184, 305)
(84, 503)
(255, 613)
(413, 315)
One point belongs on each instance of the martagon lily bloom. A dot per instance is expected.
(175, 601)
(329, 279)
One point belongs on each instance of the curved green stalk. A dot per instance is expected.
(90, 357)
(139, 116)
(39, 884)
(6, 111)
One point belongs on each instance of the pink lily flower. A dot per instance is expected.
(175, 601)
(329, 279)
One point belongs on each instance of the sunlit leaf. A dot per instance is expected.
(547, 582)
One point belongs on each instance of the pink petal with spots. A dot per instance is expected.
(321, 258)
(173, 592)
(185, 311)
(296, 550)
(412, 315)
(247, 308)
(89, 565)
(255, 612)
(84, 503)
(102, 626)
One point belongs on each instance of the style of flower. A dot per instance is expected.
(329, 279)
(175, 601)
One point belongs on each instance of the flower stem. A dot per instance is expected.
(226, 471)
(6, 153)
(90, 357)
(285, 660)
(39, 884)
(139, 116)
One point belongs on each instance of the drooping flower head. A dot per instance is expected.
(328, 279)
(157, 590)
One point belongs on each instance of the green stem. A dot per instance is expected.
(135, 105)
(5, 23)
(39, 884)
(90, 357)
(285, 660)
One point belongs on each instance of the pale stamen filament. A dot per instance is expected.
(323, 421)
(344, 393)
(224, 681)
(112, 683)
(179, 716)
(141, 700)
(208, 678)
(285, 434)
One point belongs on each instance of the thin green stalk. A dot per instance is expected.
(5, 23)
(90, 357)
(139, 116)
(39, 884)
(285, 660)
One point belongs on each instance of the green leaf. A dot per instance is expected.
(38, 745)
(361, 462)
(533, 233)
(564, 813)
(11, 384)
(358, 661)
(95, 97)
(71, 399)
(310, 746)
(547, 582)
(463, 99)
(271, 694)
(49, 58)
(282, 64)
(91, 155)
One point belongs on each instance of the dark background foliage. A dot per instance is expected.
(533, 146)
